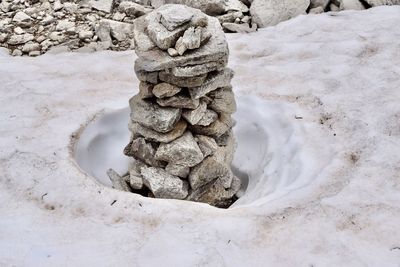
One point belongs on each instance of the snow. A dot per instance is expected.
(319, 135)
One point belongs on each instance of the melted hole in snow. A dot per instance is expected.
(267, 159)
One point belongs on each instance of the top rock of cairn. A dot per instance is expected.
(177, 35)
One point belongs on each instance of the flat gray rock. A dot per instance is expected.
(179, 101)
(145, 152)
(155, 136)
(145, 90)
(118, 181)
(215, 129)
(182, 151)
(207, 145)
(196, 70)
(182, 81)
(163, 90)
(214, 80)
(193, 116)
(177, 170)
(174, 16)
(160, 119)
(163, 184)
(209, 117)
(223, 100)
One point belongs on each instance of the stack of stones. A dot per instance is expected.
(181, 121)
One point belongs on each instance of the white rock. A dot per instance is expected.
(70, 7)
(119, 30)
(350, 5)
(17, 52)
(85, 34)
(65, 24)
(102, 5)
(18, 30)
(21, 17)
(57, 6)
(190, 40)
(209, 117)
(133, 9)
(29, 47)
(270, 12)
(57, 36)
(20, 39)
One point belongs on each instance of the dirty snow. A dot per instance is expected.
(319, 132)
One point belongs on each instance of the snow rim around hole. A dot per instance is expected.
(269, 158)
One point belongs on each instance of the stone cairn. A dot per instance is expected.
(181, 121)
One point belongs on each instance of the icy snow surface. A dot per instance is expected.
(318, 131)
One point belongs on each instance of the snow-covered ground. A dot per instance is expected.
(319, 135)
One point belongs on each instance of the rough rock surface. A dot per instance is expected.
(189, 87)
(271, 12)
(163, 184)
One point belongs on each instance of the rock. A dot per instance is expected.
(225, 139)
(145, 90)
(215, 194)
(214, 81)
(223, 100)
(207, 145)
(270, 12)
(179, 101)
(119, 30)
(57, 36)
(375, 3)
(47, 19)
(57, 6)
(150, 59)
(351, 5)
(230, 17)
(172, 52)
(190, 40)
(177, 170)
(20, 39)
(118, 16)
(85, 34)
(319, 3)
(155, 136)
(240, 28)
(133, 9)
(190, 71)
(65, 24)
(70, 7)
(3, 37)
(18, 30)
(135, 181)
(21, 17)
(333, 7)
(151, 77)
(163, 184)
(182, 81)
(163, 90)
(117, 181)
(316, 10)
(172, 17)
(160, 119)
(215, 129)
(161, 37)
(193, 116)
(235, 5)
(209, 117)
(209, 169)
(101, 5)
(210, 7)
(141, 150)
(30, 47)
(183, 151)
(16, 53)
